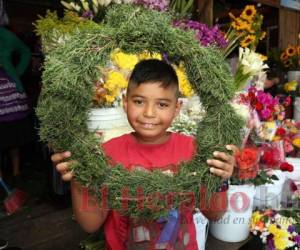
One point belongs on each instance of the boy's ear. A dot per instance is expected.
(125, 102)
(178, 107)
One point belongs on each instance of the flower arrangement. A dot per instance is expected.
(250, 64)
(268, 108)
(289, 133)
(276, 231)
(113, 80)
(245, 30)
(207, 36)
(290, 57)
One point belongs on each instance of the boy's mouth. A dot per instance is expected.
(148, 125)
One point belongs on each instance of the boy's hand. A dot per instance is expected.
(223, 164)
(62, 166)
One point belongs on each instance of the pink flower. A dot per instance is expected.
(265, 114)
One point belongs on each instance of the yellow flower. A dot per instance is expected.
(290, 50)
(124, 61)
(263, 35)
(117, 79)
(296, 142)
(256, 216)
(184, 84)
(239, 24)
(284, 56)
(147, 55)
(110, 98)
(249, 12)
(247, 40)
(263, 57)
(280, 243)
(290, 86)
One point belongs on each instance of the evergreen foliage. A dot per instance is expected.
(73, 67)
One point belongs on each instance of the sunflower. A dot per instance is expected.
(247, 40)
(283, 56)
(248, 13)
(290, 50)
(263, 57)
(239, 24)
(298, 49)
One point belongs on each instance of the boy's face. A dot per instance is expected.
(150, 110)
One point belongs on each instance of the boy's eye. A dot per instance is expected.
(163, 105)
(138, 102)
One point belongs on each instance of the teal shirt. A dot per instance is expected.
(10, 43)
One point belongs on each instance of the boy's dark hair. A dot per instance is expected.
(154, 70)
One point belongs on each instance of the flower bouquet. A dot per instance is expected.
(277, 230)
(290, 58)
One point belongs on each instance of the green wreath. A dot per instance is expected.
(69, 73)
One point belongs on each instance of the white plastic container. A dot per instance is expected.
(106, 118)
(269, 195)
(234, 224)
(295, 175)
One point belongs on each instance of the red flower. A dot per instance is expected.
(248, 174)
(286, 167)
(293, 186)
(270, 157)
(280, 132)
(251, 95)
(287, 101)
(247, 158)
(259, 106)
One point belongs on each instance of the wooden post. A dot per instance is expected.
(289, 27)
(205, 11)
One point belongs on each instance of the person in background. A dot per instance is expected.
(15, 124)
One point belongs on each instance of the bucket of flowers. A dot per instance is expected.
(277, 230)
(290, 58)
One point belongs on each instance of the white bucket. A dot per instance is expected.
(297, 109)
(234, 224)
(269, 195)
(106, 118)
(295, 175)
(293, 75)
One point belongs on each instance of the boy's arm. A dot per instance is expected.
(86, 208)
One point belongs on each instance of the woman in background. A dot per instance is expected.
(15, 123)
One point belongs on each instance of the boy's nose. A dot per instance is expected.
(149, 111)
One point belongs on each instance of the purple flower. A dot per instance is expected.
(265, 114)
(271, 245)
(204, 34)
(160, 5)
(87, 14)
(291, 228)
(297, 239)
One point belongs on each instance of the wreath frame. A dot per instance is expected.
(69, 73)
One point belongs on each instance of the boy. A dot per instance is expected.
(151, 103)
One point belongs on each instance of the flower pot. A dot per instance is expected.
(295, 175)
(293, 75)
(297, 109)
(234, 224)
(269, 195)
(112, 122)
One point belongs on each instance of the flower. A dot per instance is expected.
(286, 167)
(204, 34)
(275, 230)
(249, 65)
(160, 5)
(185, 87)
(292, 88)
(245, 30)
(290, 57)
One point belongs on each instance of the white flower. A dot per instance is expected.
(242, 110)
(85, 5)
(251, 62)
(128, 1)
(104, 2)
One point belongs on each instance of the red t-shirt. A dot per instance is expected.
(128, 152)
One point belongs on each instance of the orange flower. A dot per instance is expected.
(290, 50)
(284, 56)
(249, 12)
(260, 225)
(247, 40)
